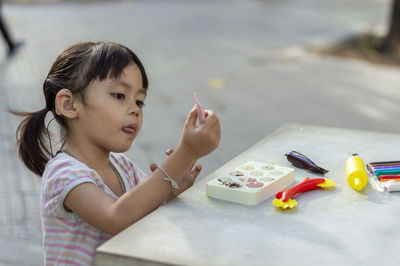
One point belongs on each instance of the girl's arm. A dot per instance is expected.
(101, 211)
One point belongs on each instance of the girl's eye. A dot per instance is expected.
(140, 103)
(118, 96)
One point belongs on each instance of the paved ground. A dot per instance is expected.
(256, 49)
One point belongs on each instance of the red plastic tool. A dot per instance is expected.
(284, 199)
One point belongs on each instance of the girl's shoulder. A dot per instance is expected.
(61, 175)
(66, 167)
(63, 162)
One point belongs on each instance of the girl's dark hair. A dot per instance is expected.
(73, 69)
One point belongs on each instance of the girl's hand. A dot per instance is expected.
(198, 141)
(187, 180)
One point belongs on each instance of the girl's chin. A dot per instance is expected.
(122, 148)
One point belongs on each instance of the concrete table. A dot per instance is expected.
(335, 227)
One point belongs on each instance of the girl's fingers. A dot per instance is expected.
(168, 152)
(211, 120)
(191, 119)
(196, 171)
(153, 166)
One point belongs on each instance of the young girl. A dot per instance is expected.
(90, 190)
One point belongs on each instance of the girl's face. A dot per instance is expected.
(112, 114)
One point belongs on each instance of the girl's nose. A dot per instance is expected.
(133, 107)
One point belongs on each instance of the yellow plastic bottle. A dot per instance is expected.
(356, 173)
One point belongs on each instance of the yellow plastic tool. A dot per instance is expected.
(284, 205)
(283, 199)
(327, 184)
(356, 173)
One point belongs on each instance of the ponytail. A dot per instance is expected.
(31, 140)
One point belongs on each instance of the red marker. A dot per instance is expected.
(383, 178)
(200, 111)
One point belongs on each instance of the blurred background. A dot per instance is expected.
(253, 62)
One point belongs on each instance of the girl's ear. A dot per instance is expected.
(65, 104)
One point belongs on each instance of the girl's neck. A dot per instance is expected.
(93, 157)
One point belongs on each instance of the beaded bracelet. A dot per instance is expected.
(168, 178)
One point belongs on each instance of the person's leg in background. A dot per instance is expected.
(12, 46)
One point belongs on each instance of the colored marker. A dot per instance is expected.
(383, 178)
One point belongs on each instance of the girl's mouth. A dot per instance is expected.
(129, 130)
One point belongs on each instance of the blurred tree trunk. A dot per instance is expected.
(391, 43)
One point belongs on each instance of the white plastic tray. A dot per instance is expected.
(251, 183)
